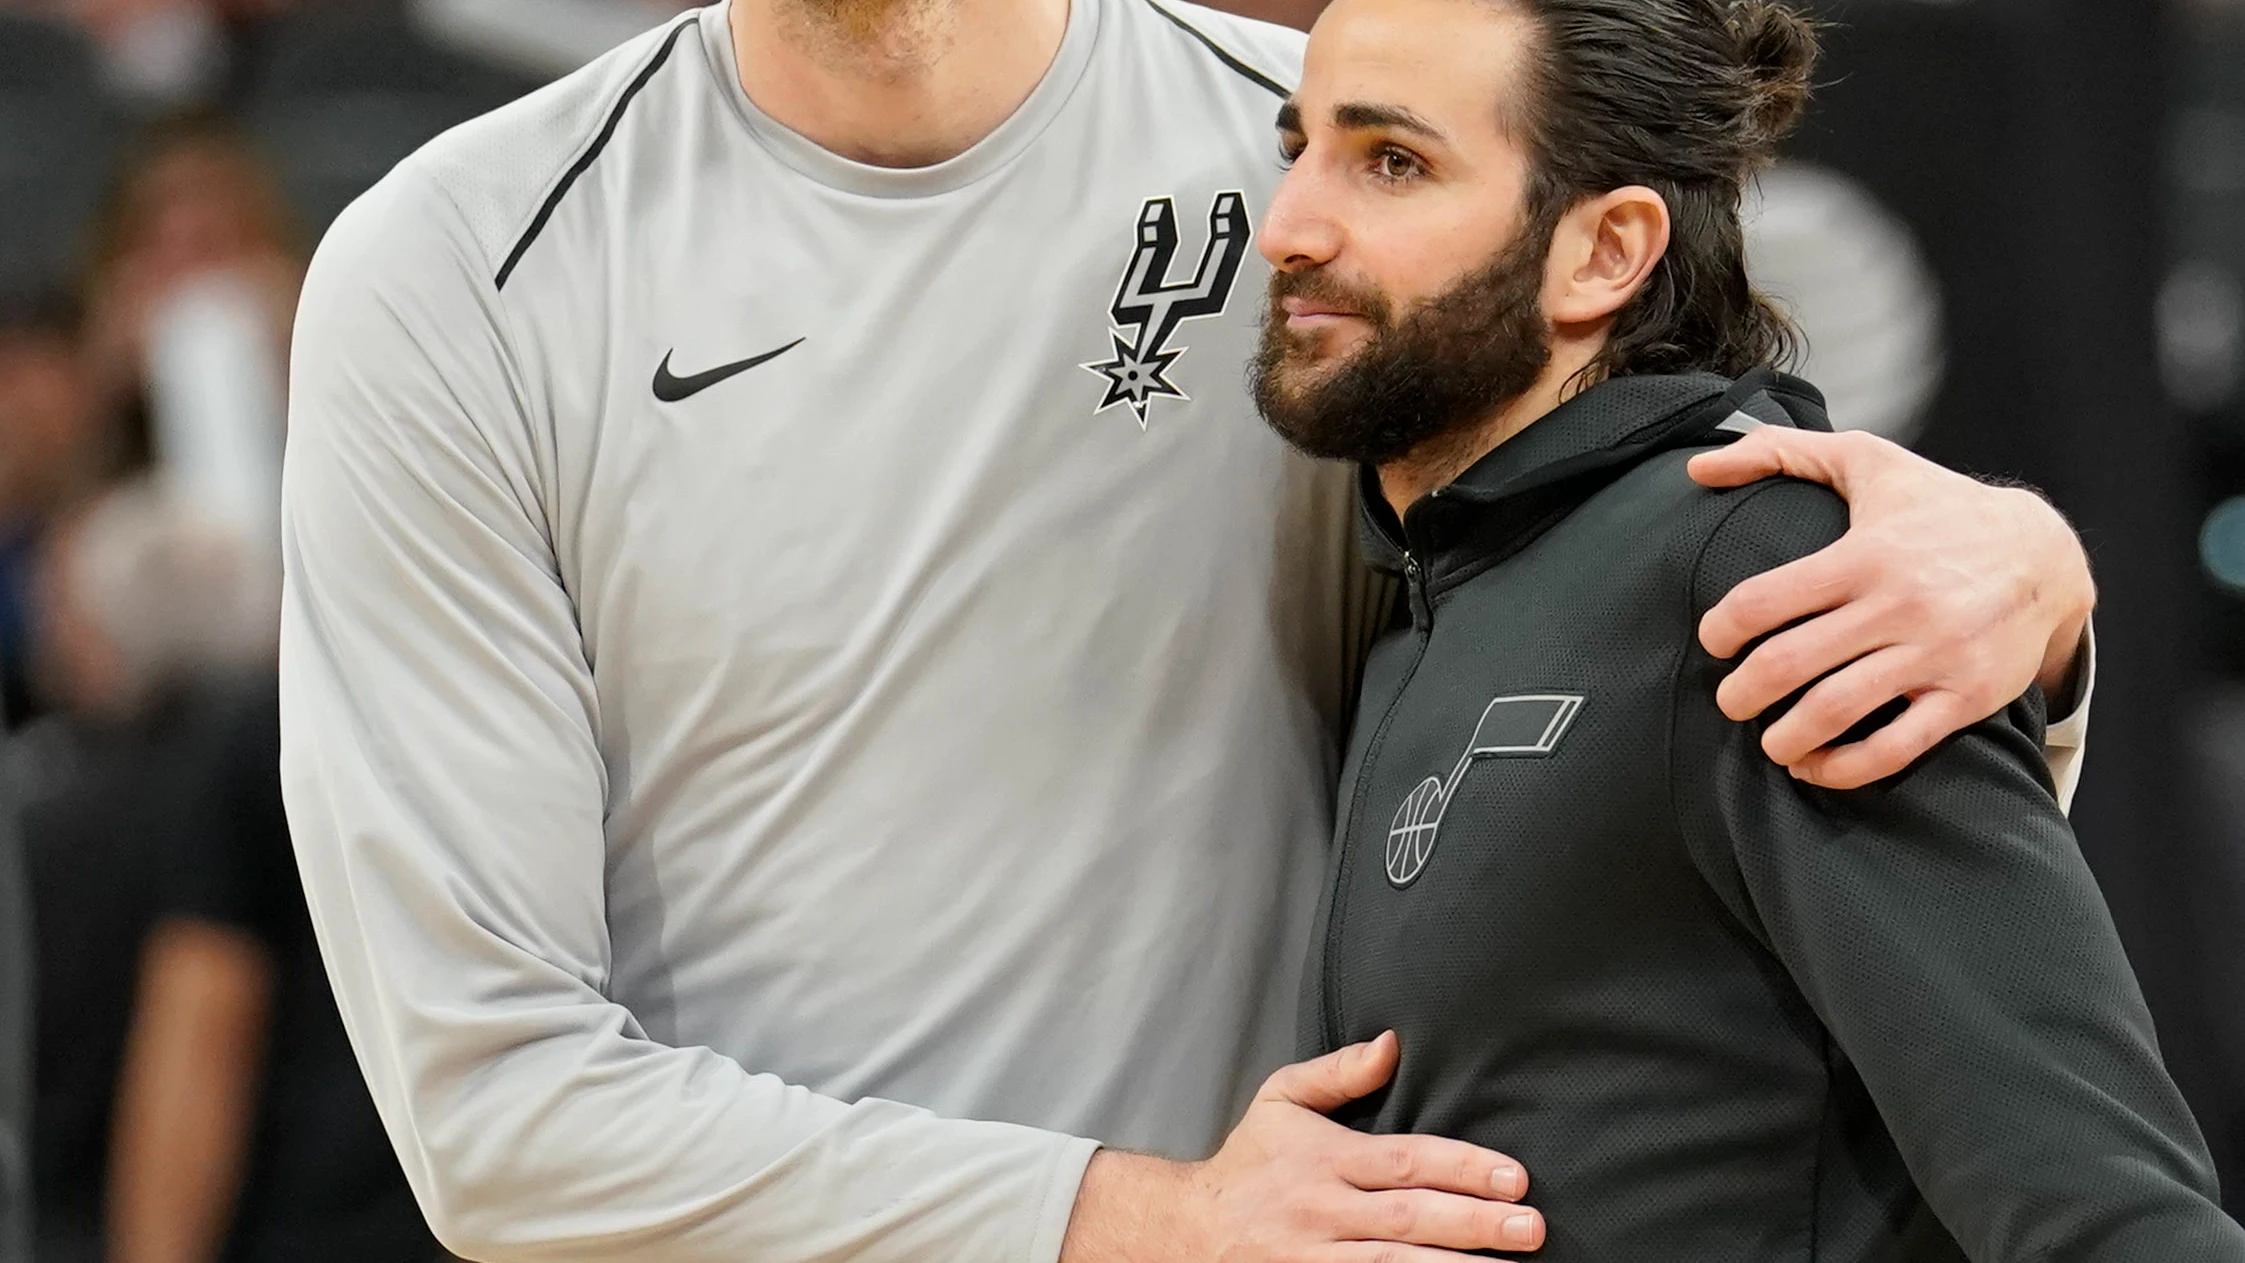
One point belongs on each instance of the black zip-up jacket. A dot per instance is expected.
(1721, 1016)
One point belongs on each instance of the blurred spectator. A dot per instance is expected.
(238, 1062)
(196, 1098)
(543, 37)
(106, 785)
(160, 55)
(59, 129)
(2201, 312)
(191, 293)
(48, 455)
(1851, 275)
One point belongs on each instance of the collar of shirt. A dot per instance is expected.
(1508, 498)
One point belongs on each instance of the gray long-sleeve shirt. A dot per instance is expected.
(718, 786)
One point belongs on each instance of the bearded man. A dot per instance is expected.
(1722, 1014)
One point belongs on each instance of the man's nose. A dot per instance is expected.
(1297, 232)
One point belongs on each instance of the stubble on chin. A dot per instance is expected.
(899, 35)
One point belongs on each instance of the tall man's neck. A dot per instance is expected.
(895, 83)
(1439, 462)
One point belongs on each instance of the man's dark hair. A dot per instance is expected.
(1688, 98)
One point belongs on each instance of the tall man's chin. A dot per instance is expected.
(870, 22)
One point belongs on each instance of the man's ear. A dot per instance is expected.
(1602, 254)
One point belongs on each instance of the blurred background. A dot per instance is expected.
(2013, 230)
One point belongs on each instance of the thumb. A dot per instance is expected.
(1774, 450)
(1336, 1078)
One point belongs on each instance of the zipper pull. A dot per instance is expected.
(1414, 580)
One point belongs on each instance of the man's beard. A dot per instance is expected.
(1446, 364)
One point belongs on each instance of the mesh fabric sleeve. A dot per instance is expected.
(446, 793)
(1946, 931)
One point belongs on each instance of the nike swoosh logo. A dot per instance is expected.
(672, 389)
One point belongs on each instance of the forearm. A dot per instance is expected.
(1129, 1211)
(2064, 586)
(537, 1122)
(187, 1095)
(718, 1165)
(2066, 660)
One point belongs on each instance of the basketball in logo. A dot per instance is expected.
(1411, 837)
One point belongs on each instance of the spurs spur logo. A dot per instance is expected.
(1511, 727)
(1149, 306)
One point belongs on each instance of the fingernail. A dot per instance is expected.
(1520, 1230)
(1506, 1180)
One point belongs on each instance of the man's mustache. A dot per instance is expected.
(1319, 286)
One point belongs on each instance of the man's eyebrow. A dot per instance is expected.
(1289, 116)
(1357, 116)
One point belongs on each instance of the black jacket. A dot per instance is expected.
(15, 1042)
(1719, 1015)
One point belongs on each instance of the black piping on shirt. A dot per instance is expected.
(585, 161)
(1245, 71)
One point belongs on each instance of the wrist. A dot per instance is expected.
(2064, 656)
(2062, 664)
(1131, 1208)
(2074, 601)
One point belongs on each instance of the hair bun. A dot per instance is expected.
(1778, 47)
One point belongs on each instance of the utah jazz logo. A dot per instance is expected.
(1152, 306)
(1511, 727)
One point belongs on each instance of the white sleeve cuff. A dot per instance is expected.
(1059, 1204)
(2066, 738)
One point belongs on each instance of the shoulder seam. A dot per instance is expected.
(1231, 62)
(592, 152)
(1748, 494)
(504, 331)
